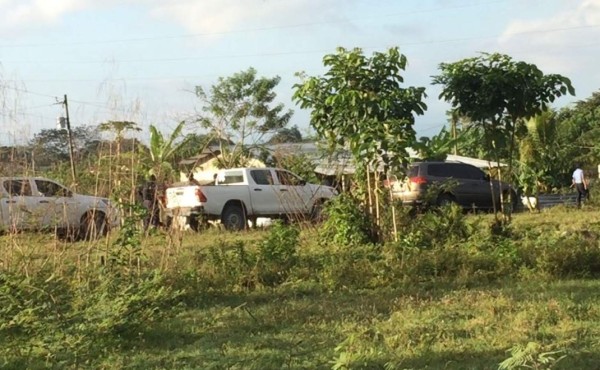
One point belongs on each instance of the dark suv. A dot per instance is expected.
(439, 183)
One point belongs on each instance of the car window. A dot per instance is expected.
(413, 171)
(288, 178)
(17, 188)
(50, 189)
(470, 172)
(262, 177)
(439, 170)
(230, 177)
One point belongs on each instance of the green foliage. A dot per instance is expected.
(238, 109)
(127, 247)
(360, 104)
(300, 164)
(50, 147)
(493, 86)
(286, 135)
(52, 322)
(579, 128)
(496, 92)
(230, 265)
(346, 223)
(531, 356)
(437, 147)
(277, 254)
(163, 151)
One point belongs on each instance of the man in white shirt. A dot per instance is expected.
(580, 183)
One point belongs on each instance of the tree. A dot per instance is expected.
(437, 147)
(239, 108)
(286, 135)
(51, 146)
(121, 166)
(360, 104)
(579, 129)
(163, 150)
(497, 93)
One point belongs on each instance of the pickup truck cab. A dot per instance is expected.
(36, 203)
(242, 194)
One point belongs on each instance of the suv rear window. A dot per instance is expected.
(455, 170)
(413, 171)
(440, 170)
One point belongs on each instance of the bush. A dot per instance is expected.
(50, 322)
(277, 254)
(346, 223)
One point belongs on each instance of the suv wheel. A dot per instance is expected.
(445, 200)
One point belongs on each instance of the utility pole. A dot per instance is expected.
(62, 121)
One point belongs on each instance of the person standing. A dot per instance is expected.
(150, 199)
(580, 183)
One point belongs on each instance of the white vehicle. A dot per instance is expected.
(35, 203)
(243, 194)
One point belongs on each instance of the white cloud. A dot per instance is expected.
(561, 42)
(25, 13)
(197, 16)
(217, 16)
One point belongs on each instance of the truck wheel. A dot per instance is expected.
(93, 225)
(234, 217)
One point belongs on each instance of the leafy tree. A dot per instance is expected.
(51, 146)
(543, 154)
(497, 93)
(122, 167)
(286, 135)
(163, 150)
(580, 131)
(239, 109)
(359, 103)
(437, 147)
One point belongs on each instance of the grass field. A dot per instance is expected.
(362, 315)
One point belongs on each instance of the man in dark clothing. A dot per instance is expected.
(150, 201)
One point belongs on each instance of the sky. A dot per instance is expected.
(140, 60)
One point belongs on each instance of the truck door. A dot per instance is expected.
(18, 208)
(58, 205)
(295, 196)
(264, 193)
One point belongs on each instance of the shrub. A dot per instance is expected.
(50, 322)
(277, 254)
(346, 224)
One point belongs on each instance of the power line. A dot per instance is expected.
(315, 51)
(256, 29)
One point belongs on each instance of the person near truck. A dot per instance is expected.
(150, 201)
(580, 184)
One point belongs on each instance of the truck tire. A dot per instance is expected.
(234, 217)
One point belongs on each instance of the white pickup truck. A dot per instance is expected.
(243, 194)
(35, 203)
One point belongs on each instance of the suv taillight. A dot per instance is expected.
(418, 180)
(200, 195)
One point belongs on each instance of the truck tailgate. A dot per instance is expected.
(183, 196)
